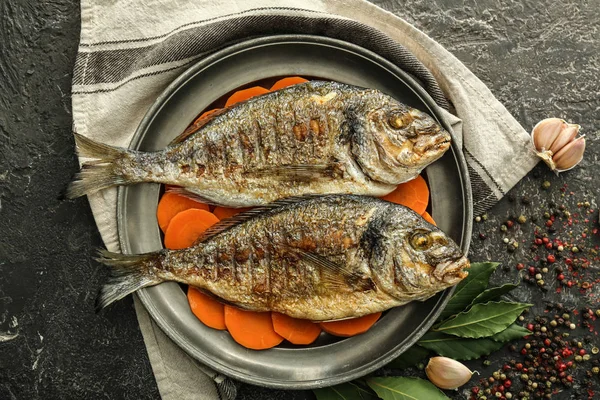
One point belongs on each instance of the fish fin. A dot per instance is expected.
(193, 196)
(128, 273)
(197, 125)
(242, 217)
(334, 275)
(97, 174)
(299, 172)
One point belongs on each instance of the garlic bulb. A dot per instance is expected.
(447, 373)
(556, 143)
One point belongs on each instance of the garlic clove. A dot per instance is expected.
(545, 133)
(447, 373)
(570, 155)
(566, 136)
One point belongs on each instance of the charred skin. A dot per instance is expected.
(319, 137)
(260, 264)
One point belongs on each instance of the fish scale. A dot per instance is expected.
(315, 258)
(311, 138)
(318, 258)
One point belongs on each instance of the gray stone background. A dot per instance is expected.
(540, 58)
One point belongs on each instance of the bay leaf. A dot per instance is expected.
(458, 348)
(404, 388)
(513, 332)
(483, 320)
(409, 358)
(469, 288)
(344, 391)
(493, 293)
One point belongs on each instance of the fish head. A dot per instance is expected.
(416, 259)
(393, 142)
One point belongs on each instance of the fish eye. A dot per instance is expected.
(396, 120)
(421, 241)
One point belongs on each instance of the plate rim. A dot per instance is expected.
(366, 368)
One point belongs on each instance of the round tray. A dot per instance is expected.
(330, 360)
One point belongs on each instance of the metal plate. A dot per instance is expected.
(330, 360)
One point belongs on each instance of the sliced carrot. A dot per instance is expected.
(207, 309)
(294, 330)
(253, 330)
(206, 114)
(428, 218)
(187, 226)
(350, 327)
(224, 212)
(285, 82)
(245, 94)
(171, 204)
(413, 194)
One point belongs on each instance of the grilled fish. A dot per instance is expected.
(311, 138)
(318, 258)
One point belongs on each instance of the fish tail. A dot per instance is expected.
(98, 174)
(128, 273)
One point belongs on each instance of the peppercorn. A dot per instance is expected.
(522, 219)
(546, 185)
(596, 370)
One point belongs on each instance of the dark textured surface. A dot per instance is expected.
(539, 58)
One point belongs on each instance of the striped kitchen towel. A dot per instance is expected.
(131, 50)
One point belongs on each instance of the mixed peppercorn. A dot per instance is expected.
(553, 246)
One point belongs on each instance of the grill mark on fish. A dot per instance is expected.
(279, 139)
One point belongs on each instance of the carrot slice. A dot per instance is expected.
(294, 330)
(253, 330)
(171, 204)
(413, 194)
(207, 309)
(428, 218)
(245, 94)
(350, 327)
(187, 226)
(224, 212)
(285, 82)
(206, 114)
